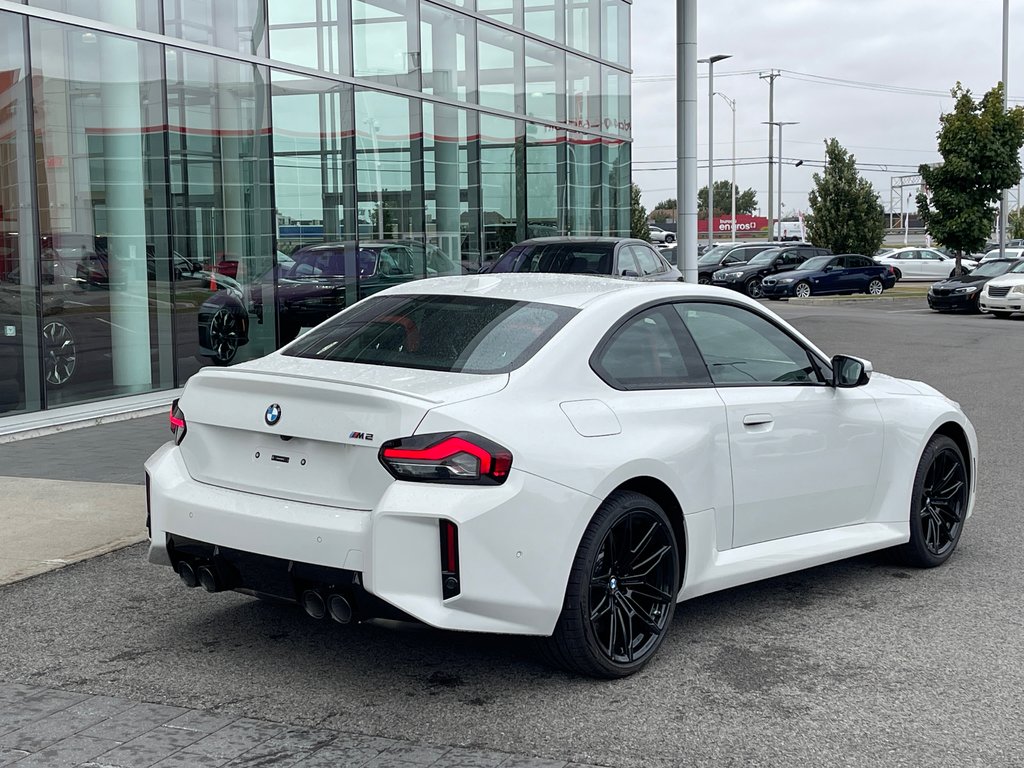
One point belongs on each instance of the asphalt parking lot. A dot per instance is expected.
(859, 663)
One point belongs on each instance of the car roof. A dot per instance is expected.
(551, 288)
(580, 239)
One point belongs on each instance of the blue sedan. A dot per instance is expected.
(846, 273)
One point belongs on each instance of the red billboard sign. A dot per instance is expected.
(744, 223)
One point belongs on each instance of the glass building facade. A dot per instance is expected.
(193, 182)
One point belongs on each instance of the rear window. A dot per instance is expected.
(460, 334)
(565, 258)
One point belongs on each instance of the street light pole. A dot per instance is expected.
(732, 106)
(711, 140)
(1006, 51)
(781, 123)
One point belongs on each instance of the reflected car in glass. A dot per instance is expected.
(314, 284)
(1004, 295)
(561, 456)
(612, 256)
(822, 275)
(963, 292)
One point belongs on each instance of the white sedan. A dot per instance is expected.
(1004, 295)
(554, 455)
(922, 264)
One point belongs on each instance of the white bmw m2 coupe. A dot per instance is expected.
(552, 455)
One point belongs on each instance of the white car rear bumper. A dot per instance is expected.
(516, 541)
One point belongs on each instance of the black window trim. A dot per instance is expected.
(677, 327)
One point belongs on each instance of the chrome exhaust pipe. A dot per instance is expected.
(187, 574)
(208, 578)
(339, 608)
(313, 604)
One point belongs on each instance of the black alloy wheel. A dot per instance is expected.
(60, 356)
(754, 289)
(224, 333)
(938, 507)
(622, 590)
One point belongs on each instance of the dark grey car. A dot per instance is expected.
(613, 256)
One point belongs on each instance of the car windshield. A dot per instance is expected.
(765, 257)
(1018, 268)
(814, 264)
(714, 255)
(460, 334)
(993, 268)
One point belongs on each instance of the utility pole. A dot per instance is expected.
(711, 140)
(732, 106)
(770, 77)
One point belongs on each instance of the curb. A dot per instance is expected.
(851, 300)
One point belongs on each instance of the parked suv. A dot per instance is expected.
(726, 255)
(747, 277)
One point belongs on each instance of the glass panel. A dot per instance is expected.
(312, 34)
(452, 212)
(19, 321)
(501, 69)
(506, 11)
(221, 204)
(389, 166)
(546, 18)
(314, 195)
(616, 183)
(385, 41)
(448, 42)
(545, 82)
(740, 347)
(615, 98)
(582, 19)
(236, 25)
(583, 88)
(586, 215)
(135, 14)
(615, 32)
(101, 194)
(500, 140)
(545, 181)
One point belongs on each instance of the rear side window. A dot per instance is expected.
(461, 334)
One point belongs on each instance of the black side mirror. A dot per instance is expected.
(629, 273)
(850, 372)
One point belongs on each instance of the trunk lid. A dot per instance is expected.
(331, 420)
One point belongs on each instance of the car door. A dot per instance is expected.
(833, 276)
(934, 265)
(668, 410)
(805, 456)
(652, 267)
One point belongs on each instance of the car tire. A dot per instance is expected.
(608, 596)
(802, 290)
(897, 273)
(1002, 315)
(60, 353)
(938, 504)
(670, 238)
(875, 287)
(704, 280)
(754, 289)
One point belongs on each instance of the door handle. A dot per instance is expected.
(756, 419)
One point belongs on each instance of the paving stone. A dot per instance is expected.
(235, 738)
(517, 761)
(149, 748)
(20, 710)
(185, 760)
(470, 758)
(417, 754)
(66, 722)
(269, 753)
(304, 738)
(68, 752)
(8, 755)
(197, 720)
(347, 751)
(134, 722)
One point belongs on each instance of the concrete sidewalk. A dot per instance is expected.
(74, 494)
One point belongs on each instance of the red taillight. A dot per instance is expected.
(177, 419)
(458, 457)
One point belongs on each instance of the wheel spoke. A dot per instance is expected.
(649, 591)
(633, 609)
(635, 552)
(627, 629)
(611, 635)
(651, 562)
(601, 608)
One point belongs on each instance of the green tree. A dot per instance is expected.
(637, 215)
(1015, 222)
(666, 205)
(746, 201)
(979, 144)
(846, 215)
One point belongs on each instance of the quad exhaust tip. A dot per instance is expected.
(313, 604)
(187, 574)
(339, 608)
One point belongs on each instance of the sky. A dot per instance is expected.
(923, 46)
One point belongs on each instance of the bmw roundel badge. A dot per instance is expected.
(273, 414)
